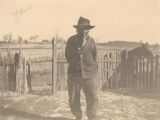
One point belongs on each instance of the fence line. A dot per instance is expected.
(142, 74)
(14, 73)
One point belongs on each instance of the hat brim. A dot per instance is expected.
(83, 27)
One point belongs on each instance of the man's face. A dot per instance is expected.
(83, 32)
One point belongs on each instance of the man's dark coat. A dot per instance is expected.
(81, 59)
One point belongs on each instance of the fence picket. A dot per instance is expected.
(156, 72)
(29, 75)
(148, 74)
(25, 83)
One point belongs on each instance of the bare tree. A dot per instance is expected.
(20, 40)
(33, 38)
(7, 38)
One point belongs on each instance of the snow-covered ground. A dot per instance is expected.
(112, 106)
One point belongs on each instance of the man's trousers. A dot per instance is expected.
(89, 86)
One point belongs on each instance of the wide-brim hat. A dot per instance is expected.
(83, 23)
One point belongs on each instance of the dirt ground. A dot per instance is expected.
(45, 106)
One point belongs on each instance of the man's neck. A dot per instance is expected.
(83, 38)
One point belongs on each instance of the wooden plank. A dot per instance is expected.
(136, 73)
(99, 72)
(132, 74)
(156, 72)
(140, 72)
(151, 76)
(29, 76)
(159, 72)
(148, 74)
(121, 75)
(1, 74)
(4, 74)
(20, 78)
(129, 75)
(104, 73)
(66, 75)
(126, 75)
(143, 73)
(109, 74)
(25, 82)
(63, 76)
(117, 71)
(7, 80)
(17, 71)
(54, 65)
(11, 78)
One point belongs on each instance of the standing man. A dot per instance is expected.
(81, 55)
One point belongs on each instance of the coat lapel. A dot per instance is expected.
(85, 47)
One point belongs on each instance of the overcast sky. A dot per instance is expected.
(129, 20)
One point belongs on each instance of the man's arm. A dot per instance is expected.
(68, 50)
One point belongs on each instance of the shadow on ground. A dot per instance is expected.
(138, 94)
(25, 115)
(42, 90)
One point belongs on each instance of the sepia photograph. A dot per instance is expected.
(80, 60)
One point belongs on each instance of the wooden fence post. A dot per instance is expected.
(54, 65)
(151, 76)
(25, 83)
(0, 72)
(5, 80)
(16, 69)
(18, 74)
(156, 72)
(29, 76)
(2, 75)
